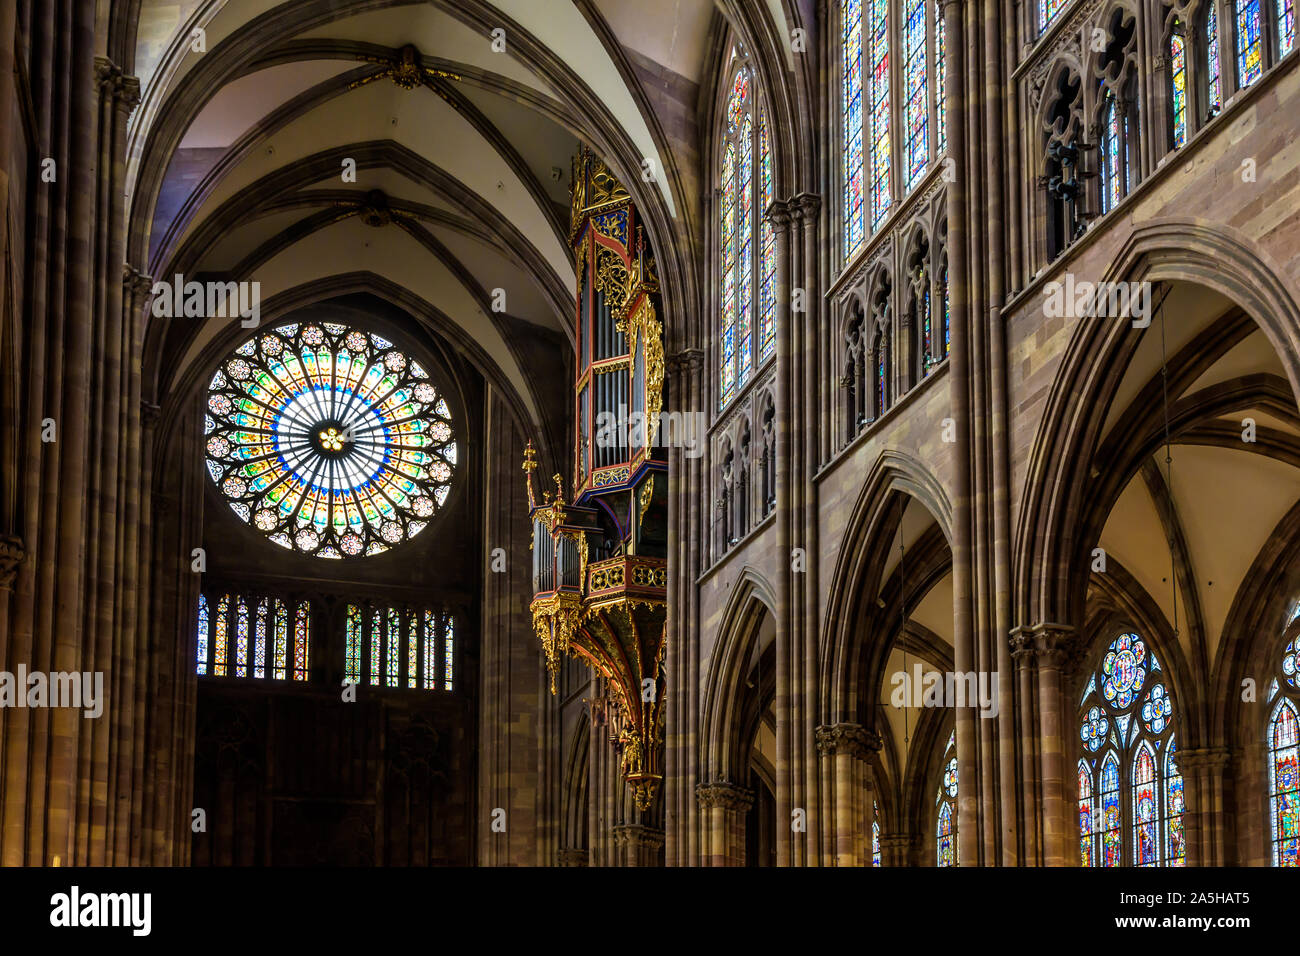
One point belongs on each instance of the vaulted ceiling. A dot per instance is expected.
(419, 146)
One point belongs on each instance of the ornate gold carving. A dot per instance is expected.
(612, 277)
(555, 619)
(405, 68)
(645, 327)
(647, 493)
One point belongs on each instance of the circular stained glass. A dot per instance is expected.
(1157, 709)
(950, 778)
(1124, 668)
(329, 440)
(1291, 664)
(1093, 729)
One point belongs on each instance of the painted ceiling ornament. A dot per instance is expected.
(329, 440)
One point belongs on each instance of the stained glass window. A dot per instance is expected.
(1213, 82)
(352, 658)
(915, 97)
(728, 246)
(1087, 846)
(878, 59)
(882, 371)
(201, 654)
(1284, 783)
(875, 833)
(1178, 82)
(1114, 153)
(855, 231)
(947, 320)
(261, 627)
(767, 267)
(329, 440)
(1130, 790)
(940, 116)
(1250, 43)
(1282, 741)
(747, 242)
(1285, 26)
(399, 647)
(1047, 10)
(220, 632)
(946, 829)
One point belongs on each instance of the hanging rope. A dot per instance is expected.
(1169, 458)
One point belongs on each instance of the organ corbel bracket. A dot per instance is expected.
(555, 619)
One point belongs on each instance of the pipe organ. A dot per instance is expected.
(599, 563)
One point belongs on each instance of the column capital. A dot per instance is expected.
(780, 214)
(724, 794)
(807, 205)
(852, 739)
(12, 554)
(1055, 645)
(1203, 758)
(637, 835)
(686, 360)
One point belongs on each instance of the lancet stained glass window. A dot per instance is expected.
(855, 232)
(261, 627)
(1178, 83)
(915, 96)
(878, 117)
(399, 647)
(940, 116)
(1282, 745)
(747, 243)
(946, 828)
(1214, 84)
(329, 440)
(1285, 26)
(1130, 789)
(875, 833)
(1250, 42)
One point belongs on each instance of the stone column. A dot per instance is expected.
(688, 526)
(844, 750)
(785, 705)
(1204, 817)
(896, 849)
(723, 806)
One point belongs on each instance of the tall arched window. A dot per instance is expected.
(1282, 743)
(1285, 27)
(878, 110)
(875, 833)
(748, 335)
(940, 114)
(1114, 153)
(1178, 84)
(946, 827)
(1250, 42)
(1130, 789)
(855, 230)
(916, 102)
(1213, 80)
